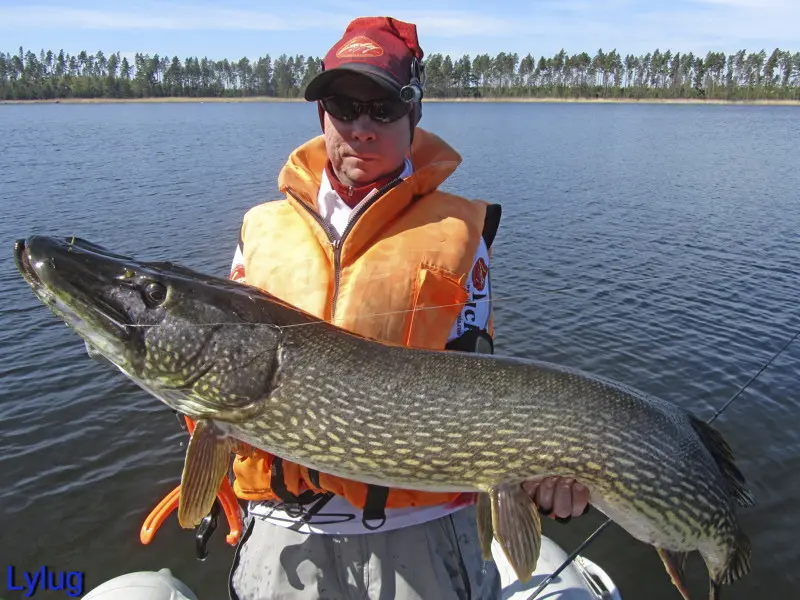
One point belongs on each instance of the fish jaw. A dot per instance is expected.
(105, 331)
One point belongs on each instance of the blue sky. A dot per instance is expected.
(254, 28)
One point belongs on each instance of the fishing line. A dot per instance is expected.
(588, 541)
(492, 300)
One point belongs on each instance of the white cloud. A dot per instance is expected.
(171, 16)
(460, 23)
(157, 17)
(751, 4)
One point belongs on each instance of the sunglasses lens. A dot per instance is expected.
(340, 108)
(387, 111)
(343, 108)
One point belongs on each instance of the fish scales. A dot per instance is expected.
(250, 368)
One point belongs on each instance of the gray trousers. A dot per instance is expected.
(438, 560)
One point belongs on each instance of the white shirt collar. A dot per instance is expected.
(333, 210)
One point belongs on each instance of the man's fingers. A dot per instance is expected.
(544, 494)
(562, 498)
(580, 499)
(530, 487)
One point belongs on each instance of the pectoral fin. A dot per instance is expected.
(205, 465)
(484, 516)
(674, 563)
(517, 528)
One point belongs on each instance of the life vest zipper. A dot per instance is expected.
(338, 243)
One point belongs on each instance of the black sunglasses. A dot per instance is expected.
(343, 108)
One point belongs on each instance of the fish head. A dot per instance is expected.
(200, 344)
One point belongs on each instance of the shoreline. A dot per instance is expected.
(503, 100)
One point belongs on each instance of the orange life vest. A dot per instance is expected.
(398, 274)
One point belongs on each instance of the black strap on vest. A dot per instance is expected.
(491, 223)
(374, 506)
(313, 475)
(278, 482)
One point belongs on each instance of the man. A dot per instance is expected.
(365, 238)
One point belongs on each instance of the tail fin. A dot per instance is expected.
(739, 561)
(723, 456)
(738, 566)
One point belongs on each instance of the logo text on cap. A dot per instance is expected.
(359, 47)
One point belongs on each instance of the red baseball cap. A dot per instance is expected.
(382, 48)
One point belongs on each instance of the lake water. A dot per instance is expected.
(672, 234)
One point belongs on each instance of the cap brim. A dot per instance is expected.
(317, 87)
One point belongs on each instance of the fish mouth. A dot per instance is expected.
(70, 277)
(23, 264)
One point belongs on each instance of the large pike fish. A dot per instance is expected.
(250, 368)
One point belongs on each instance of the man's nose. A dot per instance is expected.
(364, 129)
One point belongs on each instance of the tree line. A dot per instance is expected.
(657, 74)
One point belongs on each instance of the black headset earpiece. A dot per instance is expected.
(413, 91)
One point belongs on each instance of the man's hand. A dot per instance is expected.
(561, 497)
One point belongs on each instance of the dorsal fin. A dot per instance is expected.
(723, 456)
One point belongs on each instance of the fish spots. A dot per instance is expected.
(488, 453)
(411, 462)
(593, 466)
(311, 414)
(275, 412)
(333, 436)
(309, 433)
(433, 449)
(485, 463)
(367, 461)
(339, 420)
(401, 471)
(453, 469)
(337, 450)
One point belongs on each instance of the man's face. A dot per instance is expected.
(364, 150)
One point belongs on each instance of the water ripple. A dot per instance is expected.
(649, 244)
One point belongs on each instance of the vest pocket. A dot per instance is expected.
(438, 299)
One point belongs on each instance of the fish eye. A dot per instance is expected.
(154, 294)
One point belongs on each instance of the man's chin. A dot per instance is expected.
(358, 177)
